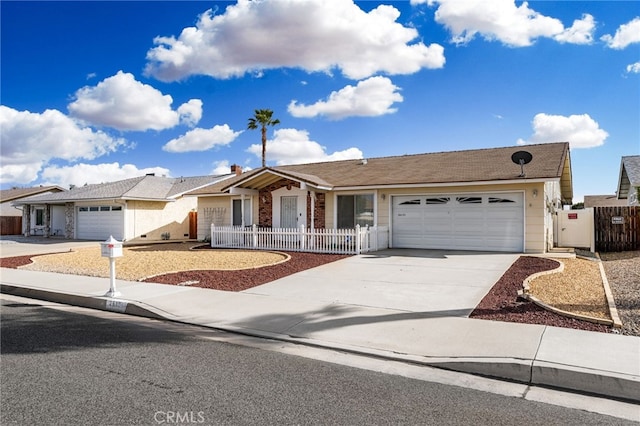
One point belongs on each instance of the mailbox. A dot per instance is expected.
(111, 248)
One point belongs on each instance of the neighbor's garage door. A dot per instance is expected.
(490, 222)
(99, 222)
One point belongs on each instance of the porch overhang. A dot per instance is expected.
(268, 176)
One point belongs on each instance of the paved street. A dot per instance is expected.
(64, 365)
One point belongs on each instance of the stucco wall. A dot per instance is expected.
(216, 210)
(154, 219)
(6, 209)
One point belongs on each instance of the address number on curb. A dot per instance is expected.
(116, 305)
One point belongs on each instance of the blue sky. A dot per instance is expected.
(100, 91)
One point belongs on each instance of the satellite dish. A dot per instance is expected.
(522, 158)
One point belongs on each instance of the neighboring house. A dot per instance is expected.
(603, 201)
(629, 181)
(10, 215)
(466, 200)
(147, 207)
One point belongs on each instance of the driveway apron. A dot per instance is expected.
(433, 282)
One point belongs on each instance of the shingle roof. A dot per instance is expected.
(149, 187)
(17, 193)
(550, 161)
(603, 201)
(629, 174)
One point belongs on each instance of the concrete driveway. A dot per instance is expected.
(17, 245)
(441, 283)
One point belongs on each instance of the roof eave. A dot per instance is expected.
(623, 182)
(445, 184)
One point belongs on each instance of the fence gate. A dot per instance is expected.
(617, 228)
(575, 228)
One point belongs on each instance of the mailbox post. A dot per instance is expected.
(112, 248)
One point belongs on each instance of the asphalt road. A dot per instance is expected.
(64, 365)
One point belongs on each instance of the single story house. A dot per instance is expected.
(10, 215)
(464, 200)
(603, 201)
(629, 181)
(146, 207)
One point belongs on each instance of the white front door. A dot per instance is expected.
(289, 212)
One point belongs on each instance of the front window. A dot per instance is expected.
(237, 212)
(39, 217)
(355, 210)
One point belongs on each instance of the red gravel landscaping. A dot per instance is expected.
(247, 278)
(502, 302)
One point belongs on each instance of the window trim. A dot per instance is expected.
(372, 194)
(38, 214)
(250, 213)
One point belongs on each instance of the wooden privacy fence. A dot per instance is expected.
(343, 241)
(617, 228)
(10, 225)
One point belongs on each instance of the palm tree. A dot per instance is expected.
(263, 117)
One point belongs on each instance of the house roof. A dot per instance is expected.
(17, 193)
(550, 161)
(603, 201)
(149, 187)
(629, 175)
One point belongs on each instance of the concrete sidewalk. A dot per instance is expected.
(598, 363)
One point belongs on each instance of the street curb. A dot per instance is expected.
(99, 303)
(526, 371)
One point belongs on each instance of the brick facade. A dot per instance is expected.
(318, 214)
(265, 204)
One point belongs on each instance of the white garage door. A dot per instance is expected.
(485, 222)
(99, 222)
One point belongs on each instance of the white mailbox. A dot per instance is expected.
(111, 248)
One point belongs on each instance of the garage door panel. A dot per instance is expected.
(485, 222)
(99, 224)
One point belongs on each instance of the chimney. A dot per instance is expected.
(236, 169)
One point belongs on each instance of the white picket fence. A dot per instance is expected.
(340, 241)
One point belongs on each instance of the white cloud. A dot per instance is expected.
(31, 140)
(315, 35)
(292, 146)
(581, 131)
(122, 102)
(502, 20)
(221, 167)
(190, 112)
(79, 174)
(370, 98)
(202, 139)
(581, 32)
(625, 35)
(634, 68)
